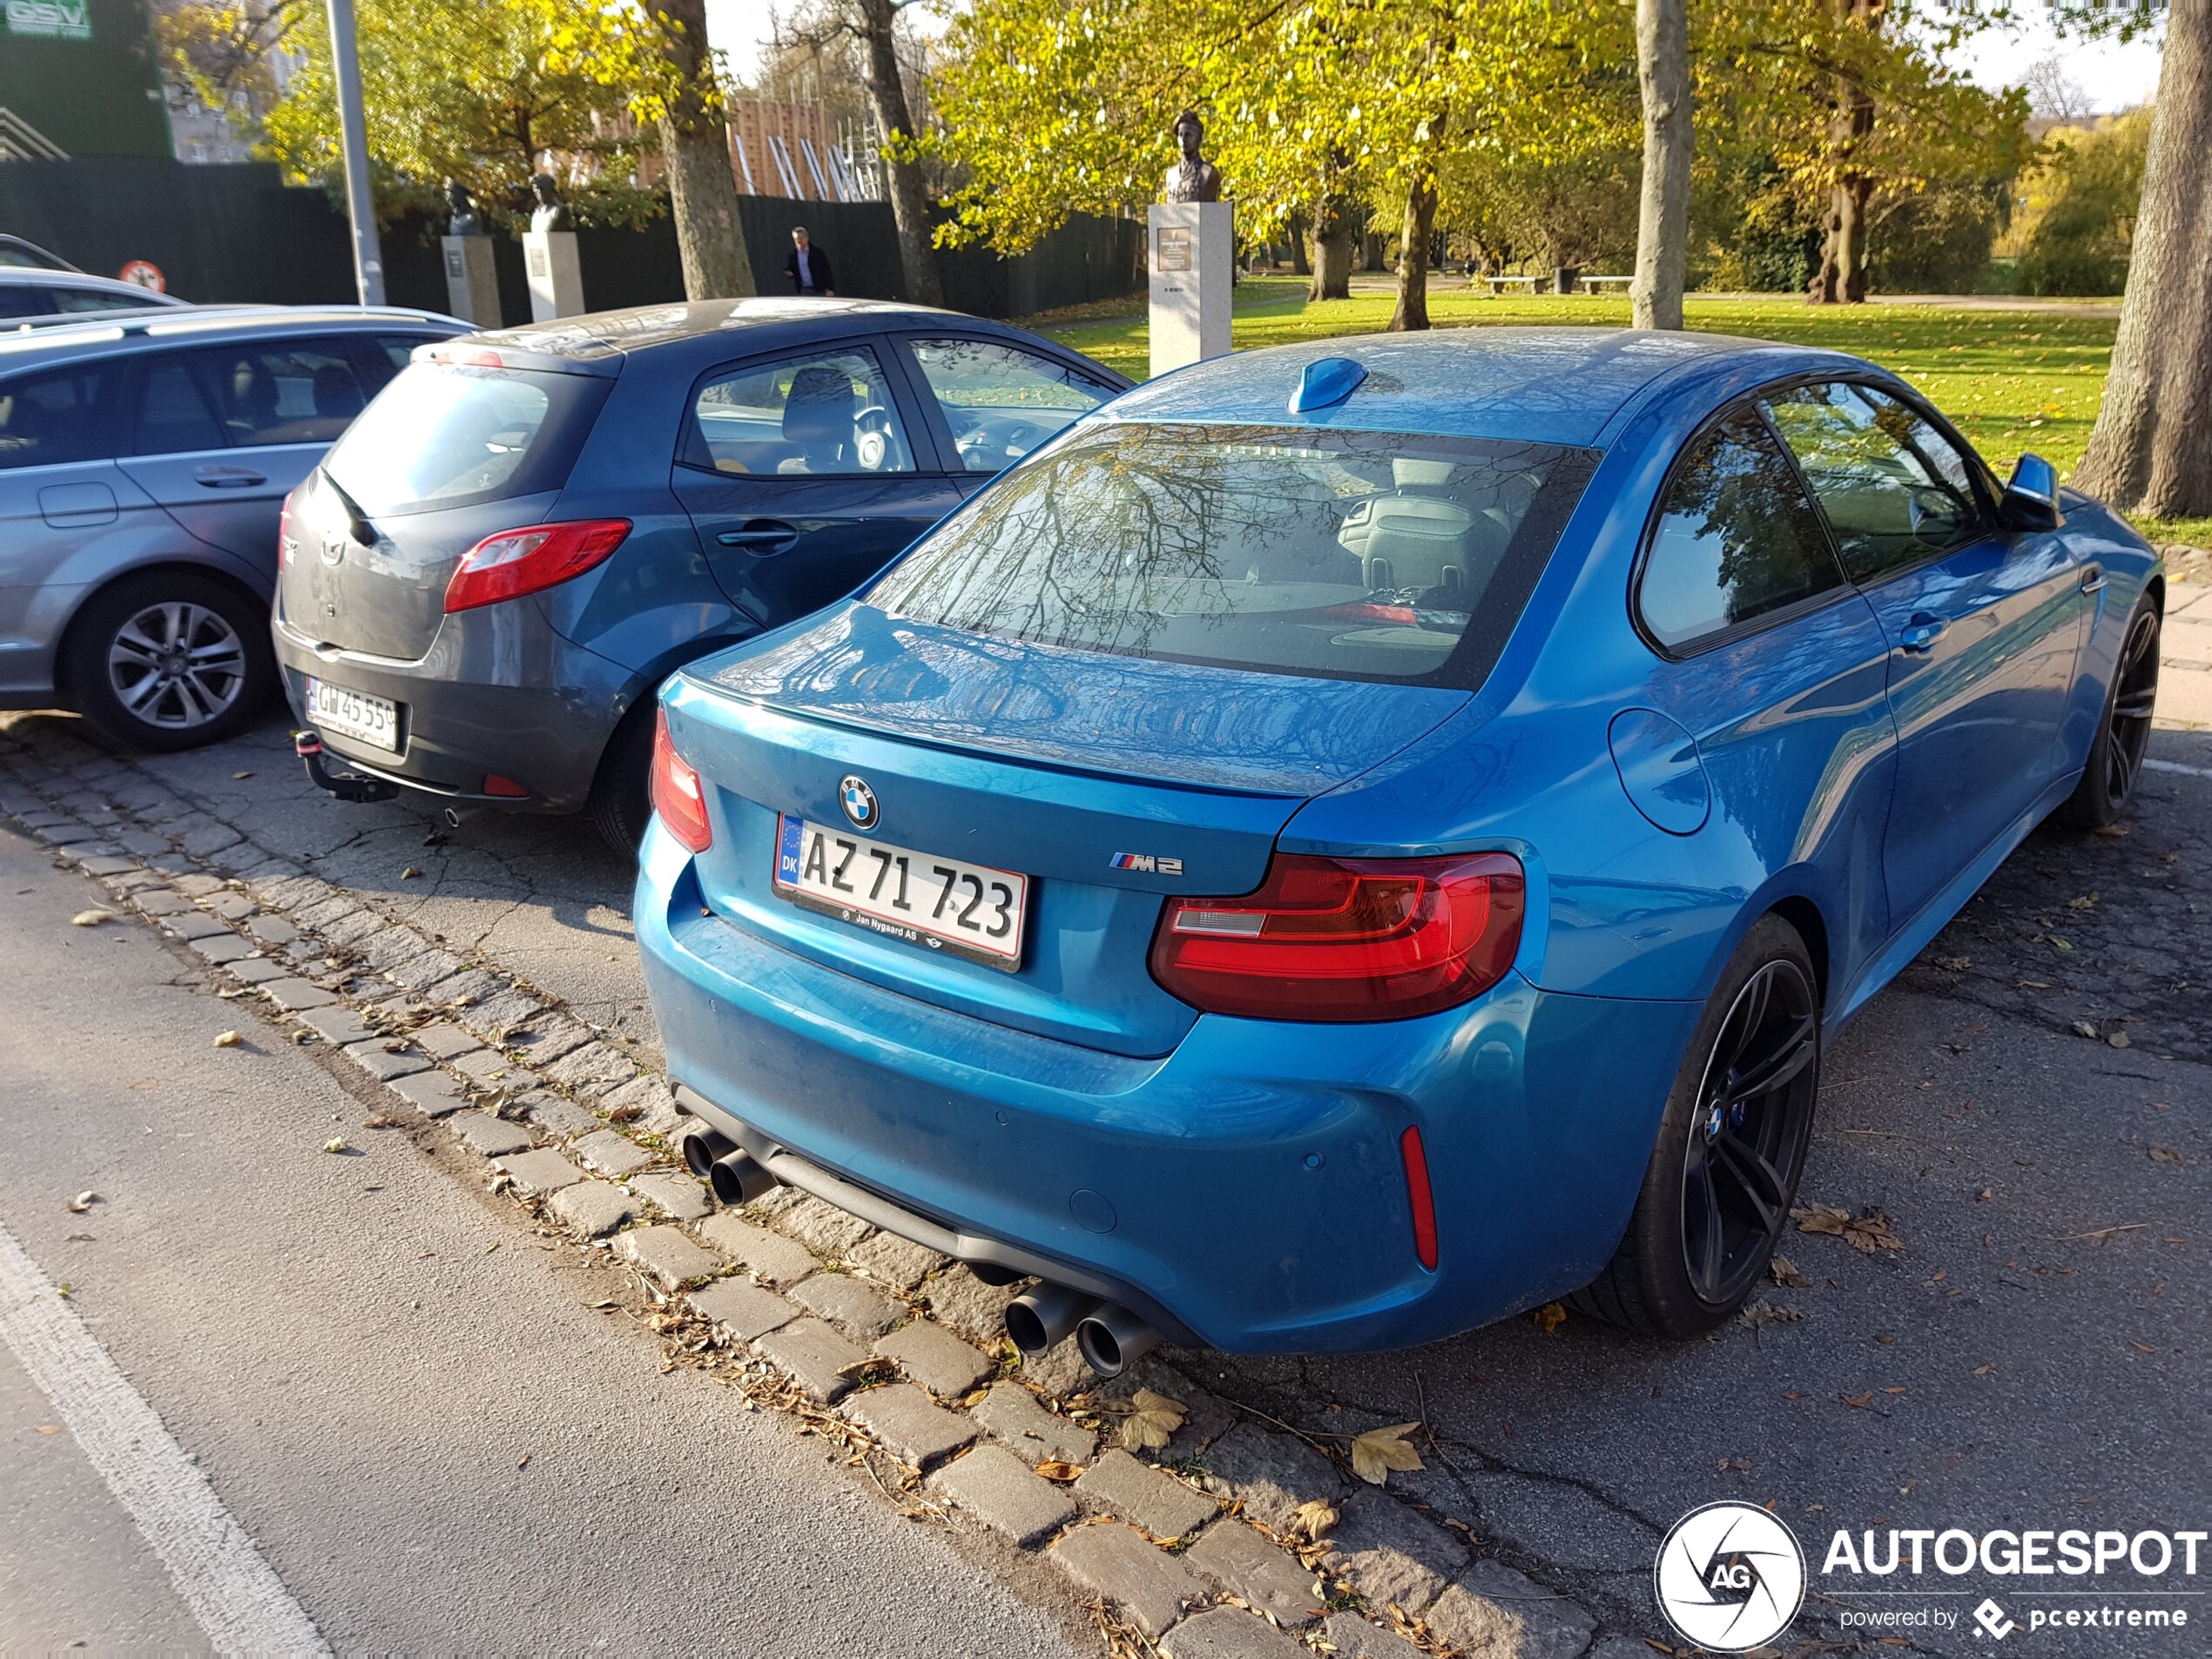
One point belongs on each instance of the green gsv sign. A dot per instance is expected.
(51, 19)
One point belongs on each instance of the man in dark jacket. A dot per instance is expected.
(808, 267)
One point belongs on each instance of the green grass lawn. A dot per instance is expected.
(2011, 379)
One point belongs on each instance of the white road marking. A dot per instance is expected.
(2175, 765)
(235, 1595)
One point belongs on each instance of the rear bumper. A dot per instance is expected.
(502, 696)
(1246, 1190)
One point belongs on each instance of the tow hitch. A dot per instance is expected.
(347, 785)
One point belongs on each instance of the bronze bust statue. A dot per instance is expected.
(1193, 178)
(466, 220)
(551, 213)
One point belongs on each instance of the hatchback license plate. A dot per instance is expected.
(971, 910)
(354, 714)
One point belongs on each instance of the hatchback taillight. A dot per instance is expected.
(1346, 939)
(679, 796)
(514, 563)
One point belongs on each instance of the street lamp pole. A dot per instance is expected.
(353, 131)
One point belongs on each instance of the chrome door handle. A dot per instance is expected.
(2093, 578)
(1921, 633)
(762, 536)
(227, 477)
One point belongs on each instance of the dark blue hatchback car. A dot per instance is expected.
(1349, 842)
(484, 583)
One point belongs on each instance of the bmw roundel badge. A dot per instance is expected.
(858, 802)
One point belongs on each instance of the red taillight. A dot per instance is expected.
(1346, 939)
(679, 796)
(495, 784)
(284, 534)
(514, 563)
(1419, 1196)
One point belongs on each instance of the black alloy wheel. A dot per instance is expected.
(1746, 1141)
(1729, 1151)
(2115, 761)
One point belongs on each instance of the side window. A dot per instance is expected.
(173, 418)
(823, 414)
(296, 391)
(99, 299)
(25, 299)
(48, 419)
(1736, 537)
(999, 400)
(1893, 491)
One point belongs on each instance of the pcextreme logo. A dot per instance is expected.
(1729, 1577)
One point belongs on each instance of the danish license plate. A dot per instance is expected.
(971, 910)
(353, 714)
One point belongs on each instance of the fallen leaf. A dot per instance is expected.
(1733, 1465)
(1984, 1194)
(1784, 1272)
(1375, 1454)
(2143, 1347)
(338, 1145)
(90, 918)
(1893, 1391)
(2087, 901)
(1857, 1402)
(525, 1462)
(2083, 1029)
(1152, 1422)
(1983, 1371)
(1551, 1316)
(409, 874)
(1865, 1232)
(1765, 1313)
(380, 1122)
(2165, 1155)
(1054, 1469)
(2112, 831)
(1312, 1519)
(2117, 1039)
(83, 1202)
(1953, 964)
(50, 1429)
(227, 1039)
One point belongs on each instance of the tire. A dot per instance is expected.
(621, 801)
(170, 660)
(2107, 785)
(1727, 1156)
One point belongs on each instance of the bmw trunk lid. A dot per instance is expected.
(1108, 782)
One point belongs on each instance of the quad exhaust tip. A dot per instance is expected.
(1041, 1320)
(702, 1146)
(740, 1179)
(1110, 1339)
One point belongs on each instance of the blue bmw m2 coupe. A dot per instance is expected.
(1349, 842)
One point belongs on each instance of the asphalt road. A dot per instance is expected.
(397, 1390)
(2035, 1356)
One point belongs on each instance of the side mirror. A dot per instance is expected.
(2031, 496)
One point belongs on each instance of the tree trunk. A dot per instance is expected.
(1412, 256)
(909, 203)
(1371, 252)
(695, 147)
(1842, 277)
(1662, 221)
(2151, 452)
(1334, 232)
(1299, 228)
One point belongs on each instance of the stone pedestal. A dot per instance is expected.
(472, 283)
(556, 278)
(1192, 256)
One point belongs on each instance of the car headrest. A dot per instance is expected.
(819, 409)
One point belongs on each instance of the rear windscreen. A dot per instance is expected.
(1343, 555)
(443, 434)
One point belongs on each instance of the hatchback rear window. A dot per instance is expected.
(445, 435)
(1340, 555)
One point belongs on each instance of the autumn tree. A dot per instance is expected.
(874, 27)
(2151, 450)
(451, 89)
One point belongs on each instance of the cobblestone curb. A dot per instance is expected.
(872, 1341)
